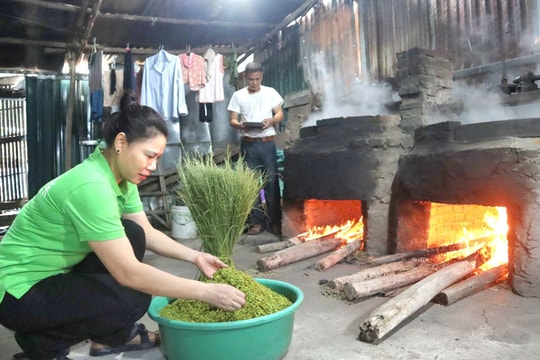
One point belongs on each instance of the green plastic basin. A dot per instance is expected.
(263, 338)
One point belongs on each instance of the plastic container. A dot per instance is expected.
(183, 226)
(263, 338)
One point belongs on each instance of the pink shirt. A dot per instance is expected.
(193, 71)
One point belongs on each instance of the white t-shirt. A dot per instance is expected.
(255, 108)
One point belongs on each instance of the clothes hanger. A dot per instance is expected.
(92, 56)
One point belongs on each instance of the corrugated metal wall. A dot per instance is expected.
(47, 98)
(281, 61)
(347, 40)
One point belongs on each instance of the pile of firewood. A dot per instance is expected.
(294, 250)
(427, 277)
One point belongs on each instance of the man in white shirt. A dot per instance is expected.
(254, 110)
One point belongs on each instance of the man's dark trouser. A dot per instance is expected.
(86, 303)
(262, 156)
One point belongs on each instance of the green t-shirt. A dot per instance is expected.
(50, 234)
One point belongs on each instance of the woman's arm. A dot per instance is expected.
(161, 244)
(118, 257)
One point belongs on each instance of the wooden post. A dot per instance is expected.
(72, 60)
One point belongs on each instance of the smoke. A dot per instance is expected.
(343, 95)
(486, 102)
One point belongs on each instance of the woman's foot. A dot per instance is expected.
(142, 339)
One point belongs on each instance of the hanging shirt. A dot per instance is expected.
(162, 85)
(193, 71)
(213, 90)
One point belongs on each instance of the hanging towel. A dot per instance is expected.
(129, 71)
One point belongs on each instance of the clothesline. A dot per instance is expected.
(223, 49)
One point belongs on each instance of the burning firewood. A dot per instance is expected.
(296, 253)
(386, 259)
(390, 314)
(338, 255)
(378, 271)
(471, 285)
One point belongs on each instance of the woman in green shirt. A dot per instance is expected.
(71, 263)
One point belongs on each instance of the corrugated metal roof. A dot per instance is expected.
(36, 33)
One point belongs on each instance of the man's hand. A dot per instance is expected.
(267, 123)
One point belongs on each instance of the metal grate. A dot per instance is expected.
(13, 151)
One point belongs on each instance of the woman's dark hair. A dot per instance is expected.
(135, 120)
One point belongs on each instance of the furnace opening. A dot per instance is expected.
(426, 225)
(315, 218)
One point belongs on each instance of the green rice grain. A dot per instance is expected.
(260, 301)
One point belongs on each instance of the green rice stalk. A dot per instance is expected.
(220, 198)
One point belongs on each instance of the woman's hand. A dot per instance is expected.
(208, 264)
(225, 296)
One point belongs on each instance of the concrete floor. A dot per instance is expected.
(493, 324)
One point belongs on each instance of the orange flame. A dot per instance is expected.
(349, 231)
(495, 229)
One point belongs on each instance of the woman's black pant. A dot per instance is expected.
(86, 303)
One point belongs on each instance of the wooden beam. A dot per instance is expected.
(155, 20)
(50, 5)
(150, 19)
(28, 42)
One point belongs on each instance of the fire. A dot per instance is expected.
(349, 231)
(498, 246)
(493, 234)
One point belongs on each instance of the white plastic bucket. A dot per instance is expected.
(183, 226)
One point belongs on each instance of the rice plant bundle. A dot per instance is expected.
(220, 198)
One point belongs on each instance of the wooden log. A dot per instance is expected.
(296, 253)
(424, 252)
(362, 289)
(338, 255)
(471, 285)
(390, 314)
(377, 271)
(274, 246)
